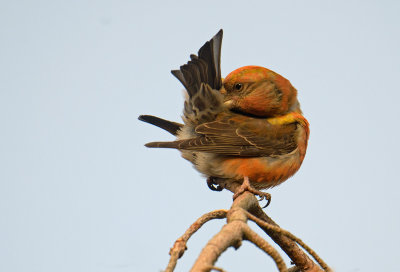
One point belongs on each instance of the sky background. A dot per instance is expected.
(79, 191)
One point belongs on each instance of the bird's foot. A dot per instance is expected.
(247, 187)
(213, 184)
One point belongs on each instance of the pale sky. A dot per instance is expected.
(79, 191)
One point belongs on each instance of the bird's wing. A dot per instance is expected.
(201, 77)
(239, 136)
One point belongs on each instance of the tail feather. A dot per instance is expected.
(162, 145)
(169, 126)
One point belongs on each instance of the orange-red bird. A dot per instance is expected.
(247, 127)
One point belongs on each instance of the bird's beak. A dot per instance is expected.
(222, 90)
(229, 103)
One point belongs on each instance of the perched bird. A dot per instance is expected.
(247, 128)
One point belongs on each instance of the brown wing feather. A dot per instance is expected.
(253, 138)
(201, 77)
(204, 68)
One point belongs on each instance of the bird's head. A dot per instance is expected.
(259, 91)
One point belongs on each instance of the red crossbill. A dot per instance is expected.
(248, 126)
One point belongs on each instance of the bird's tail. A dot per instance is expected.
(162, 144)
(169, 126)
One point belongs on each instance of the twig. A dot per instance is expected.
(216, 269)
(262, 224)
(265, 246)
(294, 269)
(179, 246)
(298, 257)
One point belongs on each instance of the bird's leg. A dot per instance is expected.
(247, 187)
(213, 184)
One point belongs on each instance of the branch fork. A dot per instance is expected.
(246, 207)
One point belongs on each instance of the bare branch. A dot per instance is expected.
(229, 235)
(245, 206)
(265, 246)
(298, 257)
(263, 224)
(179, 246)
(233, 233)
(294, 269)
(216, 269)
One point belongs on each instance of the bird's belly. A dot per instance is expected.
(263, 172)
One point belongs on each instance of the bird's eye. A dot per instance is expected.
(238, 86)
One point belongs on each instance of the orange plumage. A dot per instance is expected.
(248, 125)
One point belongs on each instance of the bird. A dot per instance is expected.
(246, 128)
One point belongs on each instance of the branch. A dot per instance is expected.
(217, 269)
(233, 233)
(298, 257)
(179, 246)
(245, 207)
(266, 226)
(265, 246)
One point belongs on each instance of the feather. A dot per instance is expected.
(169, 126)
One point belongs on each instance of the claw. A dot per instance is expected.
(268, 201)
(213, 185)
(247, 187)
